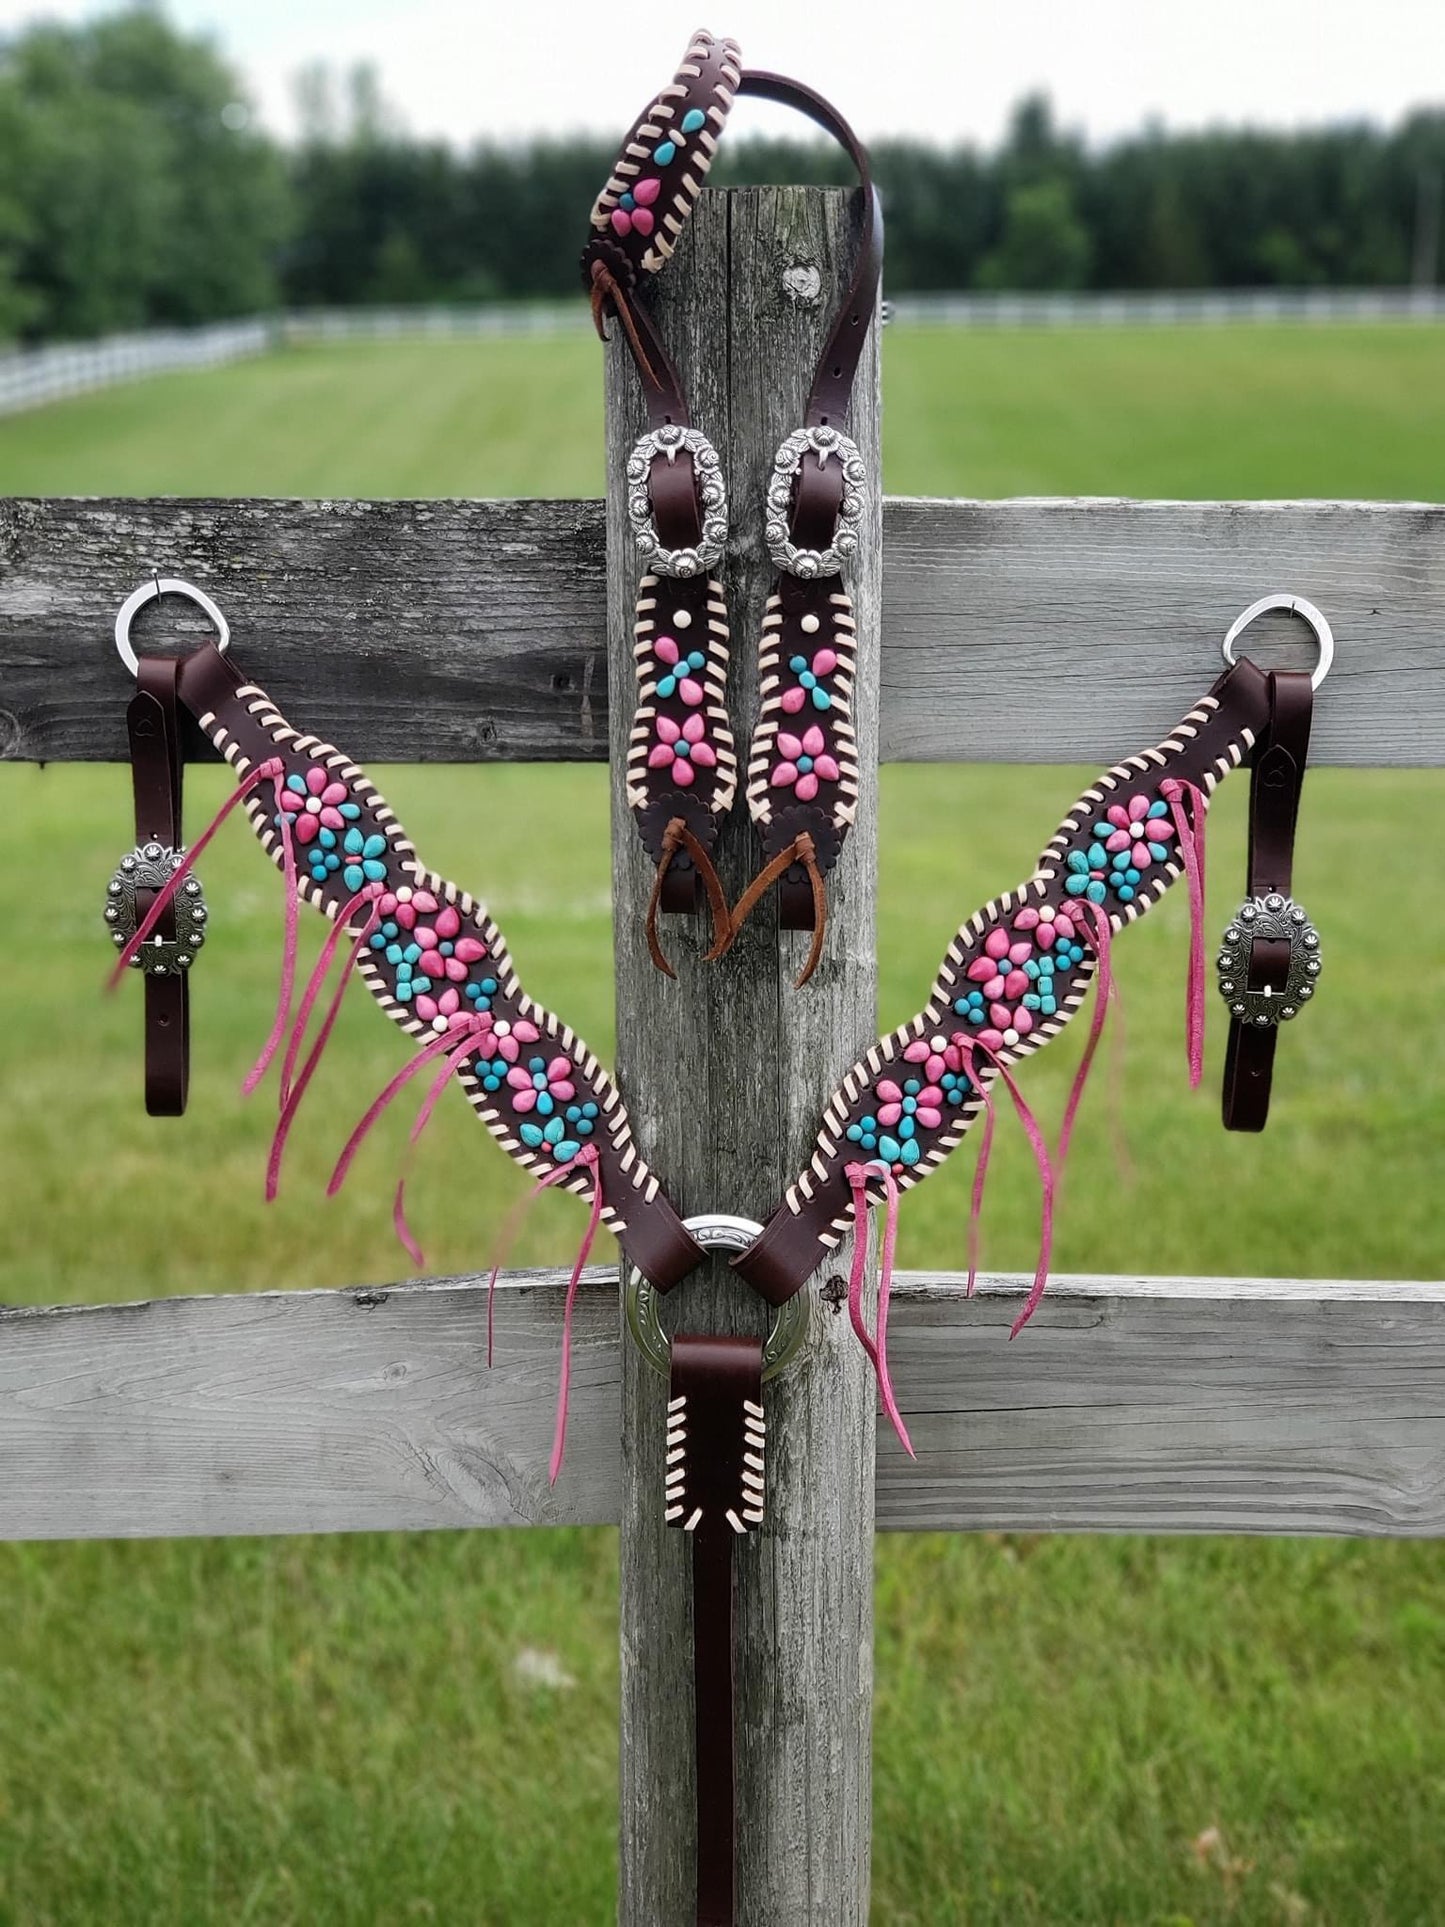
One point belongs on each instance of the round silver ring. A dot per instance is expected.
(151, 591)
(714, 1231)
(1295, 605)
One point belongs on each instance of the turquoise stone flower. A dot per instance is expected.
(364, 854)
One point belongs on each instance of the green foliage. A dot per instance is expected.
(141, 197)
(134, 191)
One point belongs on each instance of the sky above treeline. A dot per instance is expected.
(945, 70)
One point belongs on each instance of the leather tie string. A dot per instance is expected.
(800, 850)
(1276, 780)
(677, 836)
(153, 726)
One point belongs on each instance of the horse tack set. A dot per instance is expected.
(438, 965)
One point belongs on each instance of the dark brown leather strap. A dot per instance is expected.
(1014, 975)
(1277, 779)
(153, 726)
(838, 364)
(240, 718)
(715, 1492)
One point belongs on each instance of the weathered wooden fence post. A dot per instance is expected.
(725, 1072)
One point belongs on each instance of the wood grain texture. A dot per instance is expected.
(1025, 631)
(725, 1072)
(1129, 1404)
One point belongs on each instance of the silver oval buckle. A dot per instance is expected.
(151, 866)
(825, 443)
(714, 1231)
(1273, 919)
(672, 441)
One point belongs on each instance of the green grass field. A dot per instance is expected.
(336, 1730)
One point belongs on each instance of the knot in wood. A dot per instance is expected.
(803, 284)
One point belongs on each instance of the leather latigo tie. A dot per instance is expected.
(682, 765)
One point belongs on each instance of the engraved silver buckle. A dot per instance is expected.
(1272, 918)
(672, 441)
(825, 443)
(150, 866)
(714, 1231)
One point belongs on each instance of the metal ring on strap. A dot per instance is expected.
(826, 444)
(152, 590)
(1295, 605)
(714, 1231)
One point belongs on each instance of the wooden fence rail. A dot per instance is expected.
(1023, 631)
(1136, 1405)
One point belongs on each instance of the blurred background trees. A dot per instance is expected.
(135, 190)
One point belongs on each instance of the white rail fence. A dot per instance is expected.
(31, 377)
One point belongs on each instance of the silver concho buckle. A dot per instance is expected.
(1271, 919)
(714, 1231)
(825, 443)
(150, 866)
(672, 441)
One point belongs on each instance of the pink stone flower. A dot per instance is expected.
(634, 210)
(894, 1105)
(316, 802)
(1047, 924)
(682, 747)
(406, 905)
(541, 1086)
(1141, 826)
(999, 971)
(805, 763)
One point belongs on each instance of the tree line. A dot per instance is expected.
(136, 190)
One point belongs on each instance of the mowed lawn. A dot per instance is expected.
(338, 1730)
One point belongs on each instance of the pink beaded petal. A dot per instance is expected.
(661, 754)
(981, 970)
(433, 963)
(1014, 985)
(1001, 1015)
(889, 1091)
(1027, 920)
(994, 986)
(425, 1008)
(507, 1047)
(405, 914)
(646, 192)
(928, 1117)
(784, 776)
(456, 969)
(917, 1051)
(525, 1031)
(426, 936)
(304, 828)
(889, 1113)
(1023, 1022)
(621, 221)
(806, 788)
(1020, 952)
(667, 650)
(470, 950)
(789, 746)
(824, 663)
(519, 1079)
(990, 1039)
(524, 1100)
(996, 943)
(667, 729)
(316, 779)
(642, 219)
(333, 794)
(826, 768)
(425, 903)
(682, 773)
(690, 690)
(1120, 840)
(447, 1003)
(448, 922)
(1138, 808)
(793, 699)
(692, 729)
(814, 742)
(704, 755)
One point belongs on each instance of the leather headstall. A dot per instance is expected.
(682, 764)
